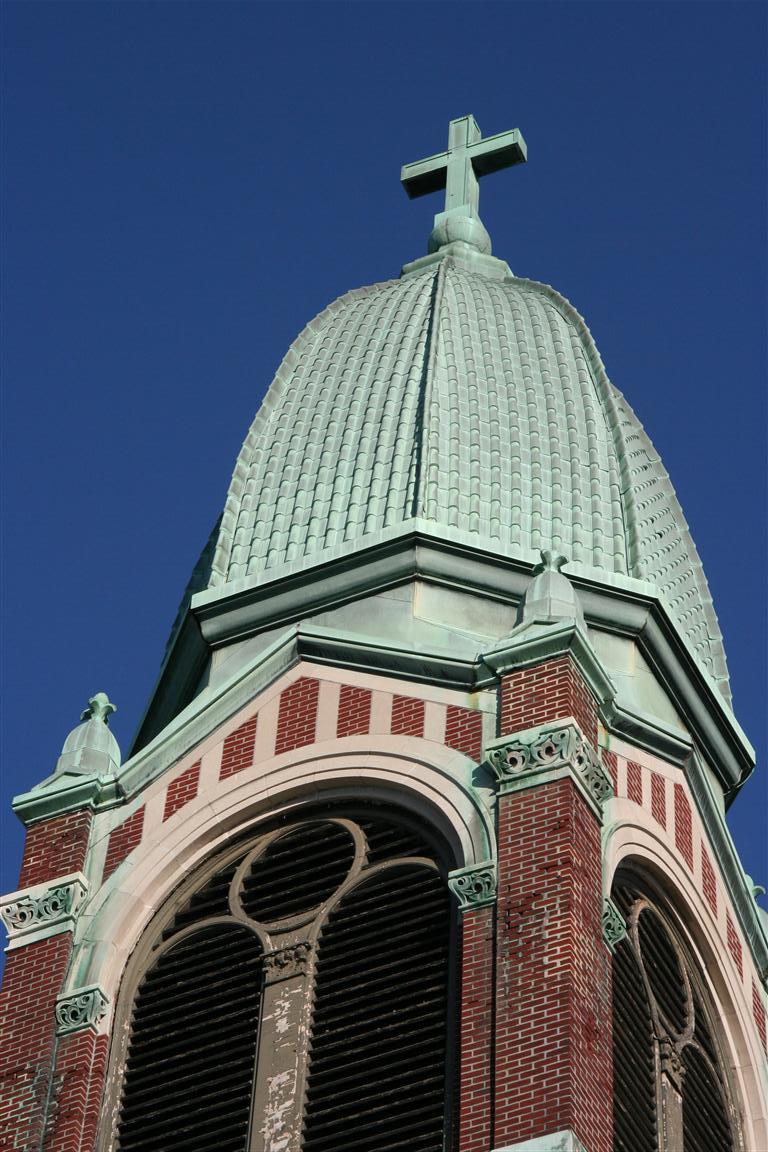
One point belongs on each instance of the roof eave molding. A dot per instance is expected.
(542, 640)
(619, 604)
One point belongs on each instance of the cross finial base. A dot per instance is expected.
(458, 171)
(459, 227)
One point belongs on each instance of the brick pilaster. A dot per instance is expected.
(32, 981)
(544, 692)
(55, 847)
(34, 975)
(475, 1118)
(78, 1084)
(553, 987)
(552, 1034)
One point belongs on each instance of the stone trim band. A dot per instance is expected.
(563, 1141)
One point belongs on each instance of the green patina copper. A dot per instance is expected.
(81, 1008)
(475, 886)
(468, 399)
(457, 171)
(549, 752)
(91, 747)
(614, 924)
(475, 405)
(451, 427)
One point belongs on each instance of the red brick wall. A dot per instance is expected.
(181, 790)
(297, 718)
(33, 979)
(475, 1119)
(734, 944)
(464, 731)
(611, 762)
(553, 978)
(635, 782)
(658, 799)
(354, 718)
(122, 841)
(709, 883)
(407, 716)
(683, 827)
(546, 692)
(78, 1084)
(237, 753)
(55, 848)
(758, 1011)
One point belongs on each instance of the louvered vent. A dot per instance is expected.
(634, 1078)
(386, 841)
(211, 900)
(189, 1070)
(705, 1118)
(663, 970)
(653, 976)
(298, 871)
(377, 1074)
(705, 1110)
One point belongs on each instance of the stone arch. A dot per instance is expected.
(414, 787)
(632, 846)
(430, 789)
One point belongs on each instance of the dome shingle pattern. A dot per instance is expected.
(478, 405)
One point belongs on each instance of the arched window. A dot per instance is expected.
(298, 998)
(671, 1093)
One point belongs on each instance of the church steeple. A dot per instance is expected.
(410, 809)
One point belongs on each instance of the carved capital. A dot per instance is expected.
(524, 759)
(475, 886)
(43, 910)
(671, 1062)
(614, 925)
(292, 960)
(83, 1008)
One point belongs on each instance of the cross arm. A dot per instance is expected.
(497, 152)
(424, 176)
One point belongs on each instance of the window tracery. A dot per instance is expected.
(296, 997)
(671, 1091)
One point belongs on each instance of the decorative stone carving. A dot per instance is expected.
(544, 749)
(671, 1062)
(614, 925)
(286, 962)
(475, 886)
(597, 781)
(83, 1008)
(43, 910)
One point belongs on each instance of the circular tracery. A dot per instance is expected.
(662, 968)
(295, 872)
(348, 912)
(671, 1092)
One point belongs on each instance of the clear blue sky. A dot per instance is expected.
(187, 184)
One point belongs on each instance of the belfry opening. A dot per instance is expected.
(421, 842)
